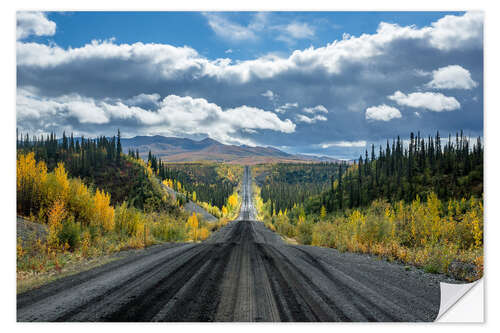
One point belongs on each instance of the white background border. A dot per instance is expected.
(7, 164)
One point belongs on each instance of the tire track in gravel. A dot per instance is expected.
(244, 272)
(32, 296)
(353, 310)
(368, 302)
(144, 305)
(237, 289)
(186, 305)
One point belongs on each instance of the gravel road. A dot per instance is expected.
(192, 207)
(244, 272)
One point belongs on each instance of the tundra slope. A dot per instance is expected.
(244, 272)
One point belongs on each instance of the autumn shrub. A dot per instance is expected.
(127, 220)
(86, 243)
(204, 233)
(173, 232)
(269, 225)
(70, 233)
(19, 248)
(169, 230)
(327, 235)
(427, 233)
(219, 224)
(304, 231)
(479, 262)
(258, 202)
(284, 226)
(214, 210)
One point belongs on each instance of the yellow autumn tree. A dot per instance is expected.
(478, 224)
(233, 200)
(58, 184)
(56, 215)
(433, 218)
(473, 219)
(167, 182)
(192, 226)
(389, 216)
(80, 202)
(322, 213)
(30, 183)
(104, 213)
(149, 171)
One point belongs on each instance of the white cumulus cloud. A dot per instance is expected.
(310, 120)
(382, 112)
(349, 74)
(176, 115)
(163, 61)
(34, 23)
(427, 100)
(452, 77)
(316, 109)
(142, 99)
(458, 32)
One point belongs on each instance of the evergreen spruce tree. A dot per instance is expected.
(118, 149)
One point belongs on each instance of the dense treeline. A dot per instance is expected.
(286, 184)
(204, 182)
(398, 172)
(98, 162)
(82, 156)
(452, 170)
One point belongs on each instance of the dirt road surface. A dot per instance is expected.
(244, 272)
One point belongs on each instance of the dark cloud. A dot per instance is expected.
(346, 78)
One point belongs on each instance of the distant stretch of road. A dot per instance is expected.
(244, 272)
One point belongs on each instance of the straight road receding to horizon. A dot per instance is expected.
(243, 272)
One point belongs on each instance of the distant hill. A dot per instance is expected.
(171, 149)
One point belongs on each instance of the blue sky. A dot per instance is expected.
(75, 29)
(326, 83)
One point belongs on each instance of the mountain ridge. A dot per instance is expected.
(175, 149)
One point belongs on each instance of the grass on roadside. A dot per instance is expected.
(440, 237)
